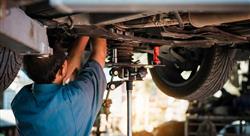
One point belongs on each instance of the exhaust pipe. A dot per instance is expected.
(211, 19)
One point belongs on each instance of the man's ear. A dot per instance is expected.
(60, 75)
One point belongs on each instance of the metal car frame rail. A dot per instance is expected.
(22, 34)
(149, 5)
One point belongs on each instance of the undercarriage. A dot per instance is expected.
(190, 48)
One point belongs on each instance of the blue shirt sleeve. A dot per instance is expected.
(86, 91)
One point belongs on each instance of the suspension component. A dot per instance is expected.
(121, 61)
(121, 52)
(113, 85)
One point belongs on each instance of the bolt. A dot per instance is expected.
(112, 86)
(112, 30)
(115, 72)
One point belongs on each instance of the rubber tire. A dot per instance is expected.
(10, 63)
(211, 77)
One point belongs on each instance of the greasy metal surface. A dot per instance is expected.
(215, 33)
(212, 19)
(110, 65)
(95, 31)
(22, 34)
(77, 19)
(112, 18)
(206, 32)
(104, 18)
(158, 23)
(150, 5)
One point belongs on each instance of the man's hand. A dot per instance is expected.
(74, 59)
(99, 51)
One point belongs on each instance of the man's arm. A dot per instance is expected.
(86, 91)
(75, 53)
(99, 51)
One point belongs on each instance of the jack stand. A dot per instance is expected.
(129, 87)
(132, 73)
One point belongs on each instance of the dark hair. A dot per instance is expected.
(43, 69)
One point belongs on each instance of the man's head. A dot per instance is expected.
(46, 69)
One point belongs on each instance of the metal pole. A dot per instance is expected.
(129, 86)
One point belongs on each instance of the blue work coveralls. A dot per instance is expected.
(61, 110)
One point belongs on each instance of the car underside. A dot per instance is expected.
(190, 52)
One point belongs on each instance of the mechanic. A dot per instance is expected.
(48, 107)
